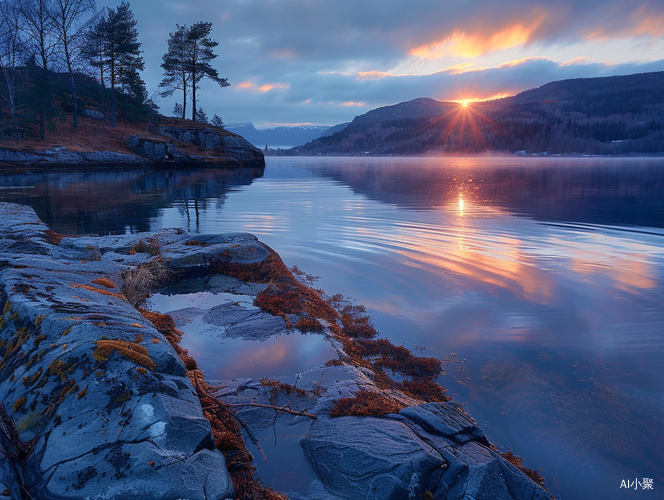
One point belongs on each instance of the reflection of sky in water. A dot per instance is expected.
(228, 358)
(545, 274)
(463, 275)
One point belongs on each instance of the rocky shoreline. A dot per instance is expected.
(100, 401)
(160, 150)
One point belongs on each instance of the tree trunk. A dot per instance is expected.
(112, 90)
(42, 125)
(73, 95)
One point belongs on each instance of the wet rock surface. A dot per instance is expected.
(105, 406)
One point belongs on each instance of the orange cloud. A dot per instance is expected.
(263, 88)
(465, 67)
(523, 60)
(462, 44)
(575, 61)
(352, 103)
(376, 75)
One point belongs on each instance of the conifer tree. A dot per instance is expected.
(187, 62)
(176, 76)
(121, 54)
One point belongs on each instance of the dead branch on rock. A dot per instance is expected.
(221, 406)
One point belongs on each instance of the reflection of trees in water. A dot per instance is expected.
(603, 191)
(186, 206)
(115, 202)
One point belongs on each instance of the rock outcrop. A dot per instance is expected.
(228, 144)
(62, 157)
(99, 401)
(225, 149)
(97, 404)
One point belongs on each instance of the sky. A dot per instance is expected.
(323, 62)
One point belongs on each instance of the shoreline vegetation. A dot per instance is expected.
(66, 330)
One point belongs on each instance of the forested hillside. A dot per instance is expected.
(613, 115)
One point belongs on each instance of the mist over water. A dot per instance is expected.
(544, 276)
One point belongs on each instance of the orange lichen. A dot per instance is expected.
(98, 290)
(68, 330)
(60, 369)
(196, 243)
(32, 379)
(365, 404)
(52, 237)
(82, 394)
(39, 339)
(135, 352)
(104, 282)
(137, 325)
(20, 402)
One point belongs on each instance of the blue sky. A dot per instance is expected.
(324, 62)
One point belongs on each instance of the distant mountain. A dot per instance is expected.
(610, 115)
(281, 137)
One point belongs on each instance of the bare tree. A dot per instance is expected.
(69, 17)
(40, 33)
(11, 54)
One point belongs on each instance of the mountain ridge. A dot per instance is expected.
(603, 115)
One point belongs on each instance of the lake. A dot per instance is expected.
(544, 277)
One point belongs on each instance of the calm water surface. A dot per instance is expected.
(544, 276)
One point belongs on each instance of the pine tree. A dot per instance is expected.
(217, 121)
(177, 110)
(176, 76)
(187, 62)
(200, 57)
(121, 53)
(201, 116)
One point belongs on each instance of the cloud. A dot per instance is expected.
(468, 46)
(301, 60)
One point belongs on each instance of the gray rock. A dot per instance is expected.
(148, 148)
(231, 145)
(372, 458)
(124, 423)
